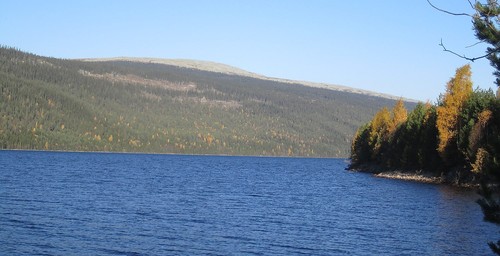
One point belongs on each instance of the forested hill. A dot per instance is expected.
(138, 106)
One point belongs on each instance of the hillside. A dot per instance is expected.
(229, 70)
(132, 105)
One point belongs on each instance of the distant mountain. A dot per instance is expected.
(173, 106)
(226, 69)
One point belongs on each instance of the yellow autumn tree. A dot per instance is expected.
(458, 90)
(209, 139)
(399, 116)
(379, 129)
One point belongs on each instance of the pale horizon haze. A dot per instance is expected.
(387, 46)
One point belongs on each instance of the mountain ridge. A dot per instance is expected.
(231, 70)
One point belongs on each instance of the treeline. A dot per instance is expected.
(57, 104)
(458, 138)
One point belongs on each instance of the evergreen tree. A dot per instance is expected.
(360, 149)
(411, 134)
(486, 26)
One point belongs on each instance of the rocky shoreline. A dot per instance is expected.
(423, 178)
(456, 179)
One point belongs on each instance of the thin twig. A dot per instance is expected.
(472, 45)
(488, 23)
(471, 5)
(463, 56)
(448, 12)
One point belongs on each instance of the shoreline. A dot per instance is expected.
(429, 179)
(419, 176)
(173, 154)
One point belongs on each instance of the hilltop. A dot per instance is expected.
(230, 70)
(173, 106)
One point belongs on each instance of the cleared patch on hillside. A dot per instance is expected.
(134, 79)
(226, 104)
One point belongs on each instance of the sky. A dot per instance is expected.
(389, 46)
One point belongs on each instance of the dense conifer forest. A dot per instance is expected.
(59, 104)
(458, 138)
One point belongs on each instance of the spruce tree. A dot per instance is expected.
(486, 26)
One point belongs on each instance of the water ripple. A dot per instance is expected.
(126, 204)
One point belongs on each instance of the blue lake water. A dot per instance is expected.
(134, 204)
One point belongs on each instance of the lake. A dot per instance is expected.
(54, 203)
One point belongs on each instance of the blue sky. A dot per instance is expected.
(385, 46)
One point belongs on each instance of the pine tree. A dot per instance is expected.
(360, 149)
(486, 25)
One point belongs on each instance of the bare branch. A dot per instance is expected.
(472, 45)
(448, 12)
(471, 5)
(463, 56)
